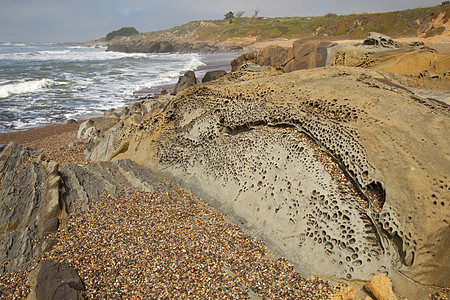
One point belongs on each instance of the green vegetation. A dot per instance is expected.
(435, 31)
(125, 31)
(406, 23)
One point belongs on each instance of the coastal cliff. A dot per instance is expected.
(130, 45)
(245, 33)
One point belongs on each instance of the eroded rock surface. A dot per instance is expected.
(380, 40)
(30, 202)
(302, 55)
(420, 66)
(340, 171)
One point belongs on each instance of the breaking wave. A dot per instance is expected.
(26, 87)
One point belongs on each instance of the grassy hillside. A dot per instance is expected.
(409, 23)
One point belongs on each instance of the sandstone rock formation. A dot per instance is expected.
(421, 65)
(300, 56)
(338, 169)
(380, 40)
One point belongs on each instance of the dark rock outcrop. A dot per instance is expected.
(58, 281)
(145, 46)
(213, 75)
(35, 197)
(30, 206)
(380, 40)
(185, 81)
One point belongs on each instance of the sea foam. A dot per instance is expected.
(26, 87)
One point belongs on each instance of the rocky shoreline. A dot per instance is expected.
(145, 46)
(334, 171)
(62, 259)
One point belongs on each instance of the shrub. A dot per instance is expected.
(125, 31)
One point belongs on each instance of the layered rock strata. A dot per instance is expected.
(31, 206)
(337, 169)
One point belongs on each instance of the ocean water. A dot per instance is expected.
(42, 83)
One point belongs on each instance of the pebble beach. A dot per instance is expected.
(168, 244)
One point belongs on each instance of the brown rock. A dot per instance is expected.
(308, 55)
(273, 55)
(51, 225)
(185, 81)
(381, 288)
(302, 55)
(244, 58)
(213, 75)
(103, 124)
(58, 281)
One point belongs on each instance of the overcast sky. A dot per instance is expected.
(82, 20)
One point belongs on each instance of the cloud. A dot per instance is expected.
(59, 20)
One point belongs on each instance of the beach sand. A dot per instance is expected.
(50, 141)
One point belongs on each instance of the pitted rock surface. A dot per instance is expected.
(343, 173)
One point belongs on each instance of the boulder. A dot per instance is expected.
(380, 40)
(103, 124)
(381, 288)
(85, 129)
(185, 81)
(58, 281)
(274, 56)
(302, 55)
(71, 121)
(91, 129)
(244, 58)
(213, 75)
(308, 55)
